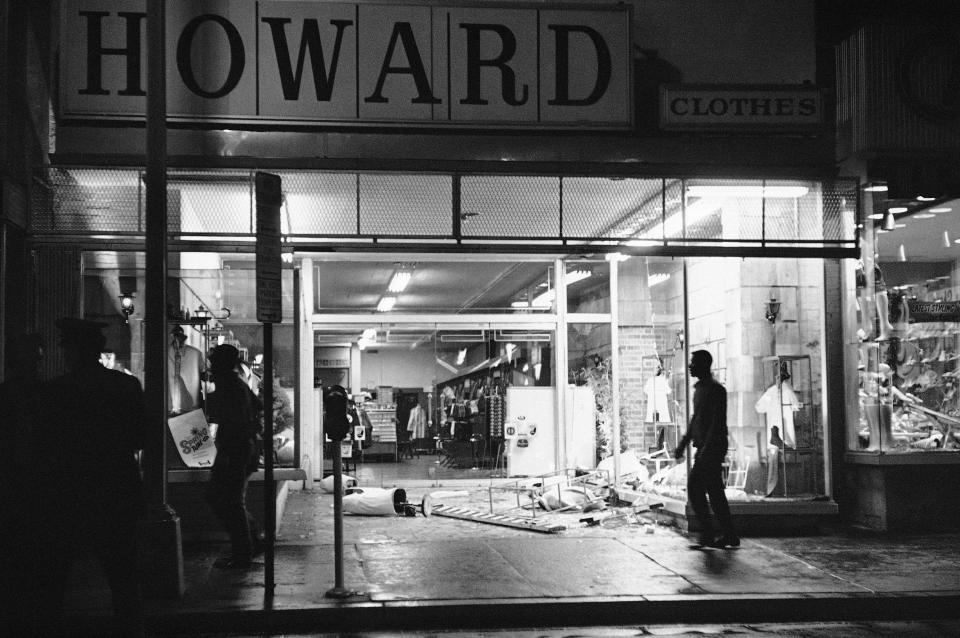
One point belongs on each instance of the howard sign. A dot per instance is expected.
(242, 61)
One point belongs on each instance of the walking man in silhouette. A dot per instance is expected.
(93, 420)
(236, 411)
(708, 433)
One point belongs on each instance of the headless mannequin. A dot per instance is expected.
(877, 405)
(185, 366)
(657, 389)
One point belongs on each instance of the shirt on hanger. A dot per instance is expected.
(658, 407)
(779, 404)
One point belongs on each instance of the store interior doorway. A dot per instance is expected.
(432, 398)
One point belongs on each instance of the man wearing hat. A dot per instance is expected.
(93, 421)
(236, 411)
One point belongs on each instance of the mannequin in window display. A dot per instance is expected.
(881, 301)
(778, 404)
(657, 390)
(184, 372)
(877, 407)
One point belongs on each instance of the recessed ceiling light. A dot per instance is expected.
(921, 198)
(898, 209)
(876, 188)
(956, 241)
(923, 216)
(940, 210)
(875, 216)
(880, 230)
(899, 225)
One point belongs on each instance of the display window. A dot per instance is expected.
(483, 365)
(906, 338)
(211, 301)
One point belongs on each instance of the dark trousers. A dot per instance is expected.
(227, 495)
(706, 480)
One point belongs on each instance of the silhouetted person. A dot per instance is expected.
(707, 431)
(236, 411)
(93, 421)
(19, 516)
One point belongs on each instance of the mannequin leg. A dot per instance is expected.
(883, 314)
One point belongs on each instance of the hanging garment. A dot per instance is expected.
(658, 405)
(417, 423)
(495, 415)
(184, 369)
(779, 404)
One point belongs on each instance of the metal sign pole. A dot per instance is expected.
(338, 591)
(269, 311)
(269, 492)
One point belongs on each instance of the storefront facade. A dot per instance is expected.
(901, 331)
(604, 223)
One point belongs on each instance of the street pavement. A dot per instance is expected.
(431, 574)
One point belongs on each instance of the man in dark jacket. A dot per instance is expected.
(236, 411)
(93, 421)
(708, 433)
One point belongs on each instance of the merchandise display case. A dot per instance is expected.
(908, 392)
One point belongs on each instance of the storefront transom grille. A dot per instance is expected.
(515, 213)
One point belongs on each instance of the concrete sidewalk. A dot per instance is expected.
(432, 573)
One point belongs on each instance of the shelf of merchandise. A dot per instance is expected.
(384, 435)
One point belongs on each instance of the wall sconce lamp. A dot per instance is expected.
(126, 305)
(772, 310)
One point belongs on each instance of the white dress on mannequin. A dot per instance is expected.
(658, 406)
(779, 404)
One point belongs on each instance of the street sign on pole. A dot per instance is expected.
(269, 260)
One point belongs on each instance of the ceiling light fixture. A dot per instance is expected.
(889, 223)
(386, 304)
(946, 239)
(898, 209)
(921, 198)
(876, 188)
(942, 209)
(657, 278)
(399, 281)
(875, 216)
(577, 275)
(923, 216)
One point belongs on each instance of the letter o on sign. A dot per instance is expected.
(184, 63)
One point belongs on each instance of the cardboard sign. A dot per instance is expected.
(194, 439)
(346, 449)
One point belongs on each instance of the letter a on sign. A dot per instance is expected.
(269, 260)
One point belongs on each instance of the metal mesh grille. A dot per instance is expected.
(510, 206)
(612, 209)
(84, 201)
(632, 211)
(319, 203)
(218, 202)
(839, 203)
(413, 205)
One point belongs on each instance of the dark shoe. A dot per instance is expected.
(727, 540)
(703, 542)
(234, 562)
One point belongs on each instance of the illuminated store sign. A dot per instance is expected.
(316, 62)
(934, 311)
(731, 108)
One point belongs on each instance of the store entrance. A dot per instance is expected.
(433, 398)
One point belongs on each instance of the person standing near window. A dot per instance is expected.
(708, 433)
(236, 411)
